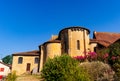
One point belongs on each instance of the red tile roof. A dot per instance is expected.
(9, 65)
(93, 41)
(52, 41)
(105, 38)
(29, 53)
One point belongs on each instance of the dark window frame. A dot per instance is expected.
(20, 60)
(36, 60)
(78, 44)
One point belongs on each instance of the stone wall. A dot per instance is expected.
(53, 49)
(92, 46)
(69, 38)
(82, 37)
(21, 68)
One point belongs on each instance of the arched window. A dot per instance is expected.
(78, 44)
(20, 60)
(36, 60)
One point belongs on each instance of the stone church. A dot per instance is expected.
(74, 41)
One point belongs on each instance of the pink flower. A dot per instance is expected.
(92, 55)
(80, 57)
(113, 58)
(105, 55)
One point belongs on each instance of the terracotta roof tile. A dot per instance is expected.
(52, 41)
(105, 38)
(29, 53)
(93, 41)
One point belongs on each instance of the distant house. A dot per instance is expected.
(25, 62)
(73, 41)
(5, 69)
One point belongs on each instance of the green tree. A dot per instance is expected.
(64, 68)
(7, 59)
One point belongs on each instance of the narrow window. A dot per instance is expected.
(78, 44)
(20, 60)
(36, 60)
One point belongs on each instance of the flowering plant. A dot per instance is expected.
(92, 56)
(89, 56)
(80, 58)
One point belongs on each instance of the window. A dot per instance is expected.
(78, 44)
(36, 60)
(20, 60)
(1, 69)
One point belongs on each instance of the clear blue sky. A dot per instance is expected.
(25, 24)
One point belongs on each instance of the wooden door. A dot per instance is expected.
(28, 67)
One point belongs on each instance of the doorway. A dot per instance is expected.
(28, 67)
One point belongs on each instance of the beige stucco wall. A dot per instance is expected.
(49, 50)
(41, 58)
(53, 49)
(21, 68)
(73, 36)
(92, 46)
(6, 70)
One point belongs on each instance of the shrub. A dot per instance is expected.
(116, 67)
(11, 77)
(113, 58)
(64, 68)
(98, 70)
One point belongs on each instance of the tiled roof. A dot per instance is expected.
(9, 65)
(93, 41)
(105, 38)
(29, 53)
(73, 28)
(52, 41)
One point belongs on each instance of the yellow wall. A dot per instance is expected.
(73, 37)
(92, 46)
(49, 50)
(42, 55)
(53, 49)
(69, 39)
(21, 68)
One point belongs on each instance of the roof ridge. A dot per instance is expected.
(108, 32)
